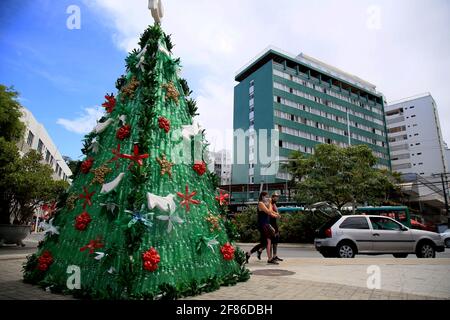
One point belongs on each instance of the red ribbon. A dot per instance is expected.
(110, 103)
(92, 245)
(222, 198)
(135, 157)
(123, 132)
(87, 197)
(151, 259)
(45, 260)
(227, 251)
(82, 221)
(199, 167)
(87, 165)
(187, 198)
(164, 124)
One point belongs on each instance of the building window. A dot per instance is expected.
(413, 116)
(30, 138)
(397, 129)
(279, 99)
(47, 156)
(40, 146)
(252, 83)
(280, 144)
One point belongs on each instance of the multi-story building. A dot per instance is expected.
(418, 152)
(305, 102)
(220, 164)
(415, 136)
(37, 138)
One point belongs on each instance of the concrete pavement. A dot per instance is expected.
(296, 278)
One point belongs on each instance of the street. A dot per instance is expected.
(305, 251)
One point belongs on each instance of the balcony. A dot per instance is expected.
(395, 120)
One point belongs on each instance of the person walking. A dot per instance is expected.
(274, 223)
(267, 232)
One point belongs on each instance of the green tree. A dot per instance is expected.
(341, 176)
(25, 182)
(31, 186)
(11, 128)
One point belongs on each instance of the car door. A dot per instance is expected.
(390, 236)
(357, 229)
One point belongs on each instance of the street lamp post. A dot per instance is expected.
(285, 161)
(443, 176)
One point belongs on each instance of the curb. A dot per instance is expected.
(14, 256)
(282, 245)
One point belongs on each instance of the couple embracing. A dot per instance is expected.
(268, 228)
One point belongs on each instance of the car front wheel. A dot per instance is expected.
(345, 250)
(426, 250)
(447, 243)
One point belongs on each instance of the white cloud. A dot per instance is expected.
(84, 123)
(408, 53)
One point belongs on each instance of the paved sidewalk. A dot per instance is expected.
(346, 281)
(293, 279)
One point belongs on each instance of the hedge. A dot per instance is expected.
(295, 227)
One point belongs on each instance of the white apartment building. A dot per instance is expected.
(37, 138)
(220, 164)
(415, 137)
(417, 151)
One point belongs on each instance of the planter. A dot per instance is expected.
(13, 234)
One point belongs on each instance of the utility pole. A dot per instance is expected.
(444, 188)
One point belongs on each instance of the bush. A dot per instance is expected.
(246, 224)
(296, 227)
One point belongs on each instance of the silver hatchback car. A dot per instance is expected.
(346, 236)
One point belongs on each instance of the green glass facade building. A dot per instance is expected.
(301, 102)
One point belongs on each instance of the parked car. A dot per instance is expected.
(346, 236)
(446, 238)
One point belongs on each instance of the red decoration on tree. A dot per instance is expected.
(227, 251)
(222, 198)
(164, 124)
(187, 198)
(49, 209)
(123, 132)
(87, 165)
(135, 157)
(82, 221)
(45, 260)
(87, 197)
(110, 103)
(151, 259)
(199, 167)
(92, 245)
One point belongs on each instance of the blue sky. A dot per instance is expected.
(63, 74)
(58, 72)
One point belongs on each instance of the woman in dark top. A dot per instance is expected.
(274, 224)
(267, 232)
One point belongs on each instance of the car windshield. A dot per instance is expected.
(381, 223)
